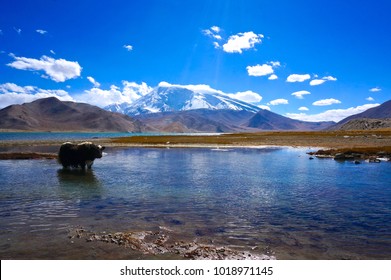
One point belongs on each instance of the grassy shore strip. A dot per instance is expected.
(327, 139)
(375, 139)
(27, 155)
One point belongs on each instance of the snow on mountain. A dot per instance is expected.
(169, 98)
(117, 107)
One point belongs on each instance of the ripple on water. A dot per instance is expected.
(250, 198)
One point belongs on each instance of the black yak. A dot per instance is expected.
(75, 155)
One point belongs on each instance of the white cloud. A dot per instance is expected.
(92, 80)
(102, 98)
(216, 29)
(264, 107)
(375, 89)
(41, 31)
(275, 63)
(332, 115)
(13, 94)
(213, 32)
(129, 93)
(298, 78)
(370, 98)
(278, 102)
(201, 88)
(303, 109)
(128, 47)
(326, 102)
(52, 52)
(58, 70)
(246, 96)
(330, 78)
(242, 41)
(260, 70)
(134, 90)
(166, 84)
(216, 44)
(317, 82)
(264, 70)
(299, 94)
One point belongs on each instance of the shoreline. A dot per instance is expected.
(362, 144)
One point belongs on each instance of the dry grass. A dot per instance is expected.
(27, 155)
(330, 139)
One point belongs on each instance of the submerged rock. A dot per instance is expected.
(157, 243)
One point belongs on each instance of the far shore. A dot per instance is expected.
(326, 139)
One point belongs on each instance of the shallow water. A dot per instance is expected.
(270, 199)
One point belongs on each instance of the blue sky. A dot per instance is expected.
(313, 60)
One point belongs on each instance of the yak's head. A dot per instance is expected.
(97, 150)
(92, 151)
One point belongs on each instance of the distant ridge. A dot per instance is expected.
(204, 120)
(267, 120)
(365, 124)
(200, 120)
(51, 114)
(381, 112)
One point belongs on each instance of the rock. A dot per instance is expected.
(156, 243)
(339, 156)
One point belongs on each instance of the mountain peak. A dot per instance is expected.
(171, 98)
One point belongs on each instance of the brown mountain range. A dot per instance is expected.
(204, 120)
(51, 114)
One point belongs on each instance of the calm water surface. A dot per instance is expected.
(11, 136)
(275, 199)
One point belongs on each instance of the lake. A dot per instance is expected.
(272, 200)
(26, 136)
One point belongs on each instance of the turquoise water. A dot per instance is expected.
(273, 199)
(7, 136)
(11, 136)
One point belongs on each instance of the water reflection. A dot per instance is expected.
(242, 197)
(77, 183)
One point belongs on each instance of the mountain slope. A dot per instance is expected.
(200, 120)
(55, 115)
(175, 98)
(365, 124)
(266, 120)
(204, 120)
(383, 111)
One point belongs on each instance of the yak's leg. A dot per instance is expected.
(89, 163)
(83, 165)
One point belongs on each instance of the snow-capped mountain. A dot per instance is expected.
(118, 107)
(177, 98)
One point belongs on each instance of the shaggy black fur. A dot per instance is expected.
(75, 155)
